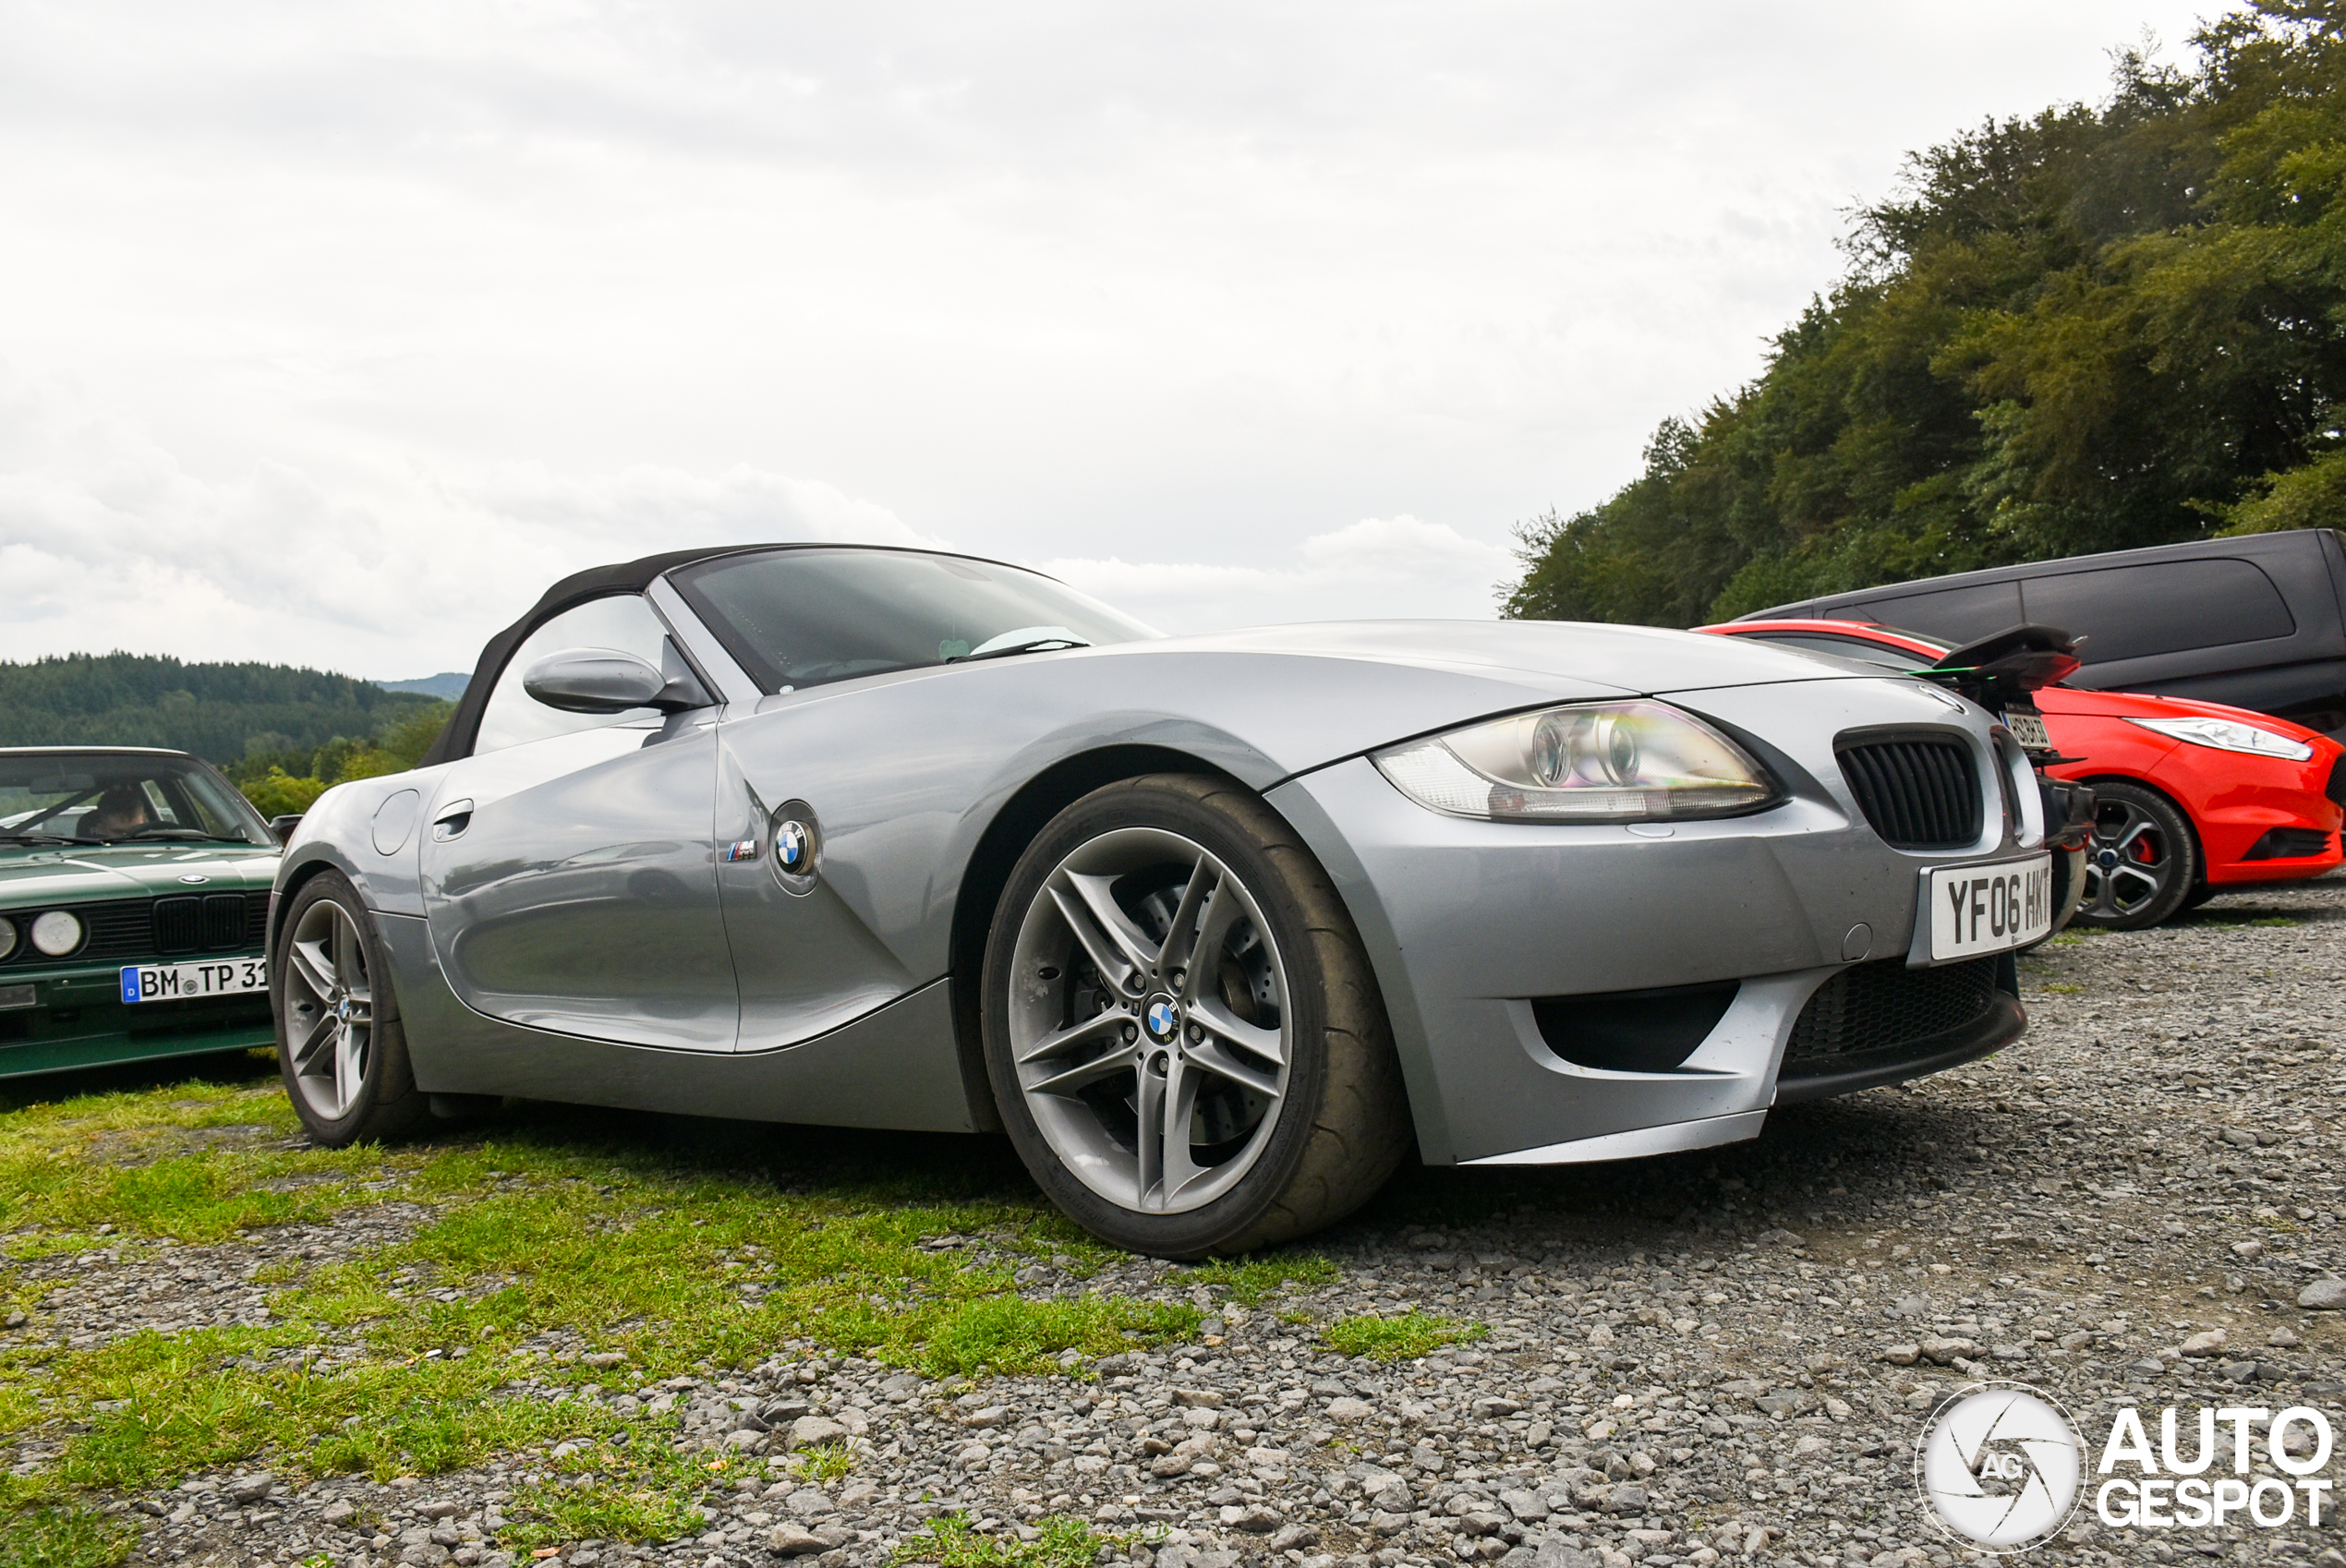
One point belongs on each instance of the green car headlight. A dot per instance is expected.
(1588, 762)
(8, 936)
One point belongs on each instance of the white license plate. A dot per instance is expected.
(2027, 727)
(1989, 909)
(176, 983)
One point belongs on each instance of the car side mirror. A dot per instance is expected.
(281, 827)
(607, 680)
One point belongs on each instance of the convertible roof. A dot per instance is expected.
(628, 577)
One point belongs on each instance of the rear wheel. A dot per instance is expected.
(340, 1046)
(1182, 1029)
(2143, 863)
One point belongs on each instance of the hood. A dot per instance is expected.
(73, 873)
(1641, 661)
(2081, 703)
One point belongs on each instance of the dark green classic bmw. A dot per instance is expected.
(133, 898)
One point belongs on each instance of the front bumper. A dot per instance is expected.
(2259, 819)
(1572, 992)
(53, 1019)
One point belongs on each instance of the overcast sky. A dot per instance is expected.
(331, 333)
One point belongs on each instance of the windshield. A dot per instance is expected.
(799, 618)
(118, 797)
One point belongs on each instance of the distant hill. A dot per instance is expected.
(450, 686)
(221, 712)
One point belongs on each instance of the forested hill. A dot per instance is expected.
(224, 712)
(2095, 329)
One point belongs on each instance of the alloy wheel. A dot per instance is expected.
(328, 1009)
(2130, 862)
(1148, 1020)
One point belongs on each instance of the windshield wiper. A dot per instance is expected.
(172, 834)
(47, 838)
(1040, 644)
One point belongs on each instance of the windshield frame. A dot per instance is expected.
(759, 664)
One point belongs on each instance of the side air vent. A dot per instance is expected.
(1652, 1031)
(1920, 793)
(2290, 843)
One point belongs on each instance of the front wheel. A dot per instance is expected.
(1181, 1029)
(2141, 862)
(340, 1046)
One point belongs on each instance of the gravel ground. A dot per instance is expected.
(1721, 1355)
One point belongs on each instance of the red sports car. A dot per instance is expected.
(2195, 798)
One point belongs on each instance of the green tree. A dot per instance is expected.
(2092, 329)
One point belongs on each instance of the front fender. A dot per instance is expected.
(366, 830)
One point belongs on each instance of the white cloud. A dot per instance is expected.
(390, 310)
(1375, 567)
(108, 540)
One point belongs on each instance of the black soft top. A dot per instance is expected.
(628, 577)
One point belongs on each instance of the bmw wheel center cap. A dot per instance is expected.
(1161, 1020)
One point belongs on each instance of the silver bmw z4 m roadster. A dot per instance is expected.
(1217, 929)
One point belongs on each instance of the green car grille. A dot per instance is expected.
(127, 929)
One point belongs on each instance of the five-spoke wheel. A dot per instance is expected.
(2143, 863)
(1181, 1029)
(339, 1044)
(328, 1009)
(1147, 1021)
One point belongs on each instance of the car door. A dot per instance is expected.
(569, 863)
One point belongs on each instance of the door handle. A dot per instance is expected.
(451, 820)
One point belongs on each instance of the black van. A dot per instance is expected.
(2253, 620)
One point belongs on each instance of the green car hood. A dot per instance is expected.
(68, 874)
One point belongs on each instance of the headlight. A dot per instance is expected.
(8, 936)
(2228, 735)
(1592, 762)
(56, 933)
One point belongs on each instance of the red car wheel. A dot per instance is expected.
(2143, 863)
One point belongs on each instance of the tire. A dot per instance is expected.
(2197, 897)
(340, 1047)
(2143, 860)
(1276, 1066)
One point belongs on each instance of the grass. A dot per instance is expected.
(1400, 1338)
(632, 1485)
(1010, 1333)
(1250, 1280)
(824, 1462)
(1062, 1543)
(680, 1247)
(63, 1537)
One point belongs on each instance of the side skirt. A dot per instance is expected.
(894, 1068)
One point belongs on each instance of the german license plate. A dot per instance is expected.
(2027, 727)
(176, 983)
(1989, 909)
